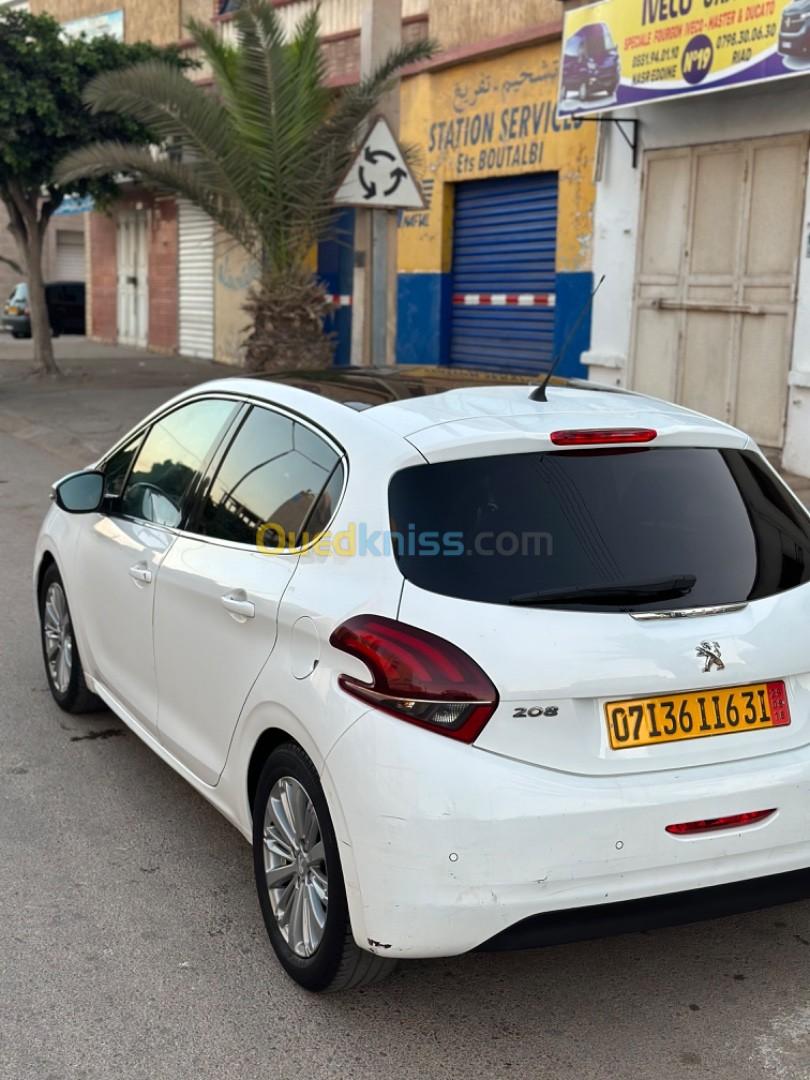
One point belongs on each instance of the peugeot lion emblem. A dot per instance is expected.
(710, 652)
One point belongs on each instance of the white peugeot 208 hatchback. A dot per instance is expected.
(471, 669)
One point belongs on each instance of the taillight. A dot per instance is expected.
(733, 821)
(417, 676)
(600, 436)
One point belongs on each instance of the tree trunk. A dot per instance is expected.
(38, 306)
(28, 229)
(287, 332)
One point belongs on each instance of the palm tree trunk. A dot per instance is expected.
(287, 332)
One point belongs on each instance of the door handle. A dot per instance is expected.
(237, 604)
(141, 572)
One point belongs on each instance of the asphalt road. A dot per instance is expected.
(131, 944)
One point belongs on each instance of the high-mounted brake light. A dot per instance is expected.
(417, 676)
(600, 436)
(734, 821)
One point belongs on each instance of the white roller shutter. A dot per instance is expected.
(196, 281)
(69, 256)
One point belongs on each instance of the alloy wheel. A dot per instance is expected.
(58, 635)
(295, 866)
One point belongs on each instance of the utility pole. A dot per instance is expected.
(374, 284)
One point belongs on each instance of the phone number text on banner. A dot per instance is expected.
(626, 52)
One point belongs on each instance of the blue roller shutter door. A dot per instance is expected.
(504, 266)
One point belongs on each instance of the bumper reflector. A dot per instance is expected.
(734, 821)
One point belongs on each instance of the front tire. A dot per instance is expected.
(300, 881)
(63, 666)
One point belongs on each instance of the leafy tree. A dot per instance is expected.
(263, 155)
(42, 116)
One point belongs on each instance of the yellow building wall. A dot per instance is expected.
(483, 119)
(463, 22)
(490, 118)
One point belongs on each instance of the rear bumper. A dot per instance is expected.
(651, 913)
(451, 847)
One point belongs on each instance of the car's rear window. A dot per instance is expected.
(621, 529)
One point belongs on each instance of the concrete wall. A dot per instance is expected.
(465, 22)
(144, 20)
(163, 284)
(485, 118)
(234, 273)
(102, 288)
(778, 109)
(202, 10)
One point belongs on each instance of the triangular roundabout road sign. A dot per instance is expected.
(379, 177)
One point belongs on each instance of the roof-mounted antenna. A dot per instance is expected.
(539, 394)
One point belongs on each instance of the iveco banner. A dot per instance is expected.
(624, 52)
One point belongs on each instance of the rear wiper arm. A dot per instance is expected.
(634, 593)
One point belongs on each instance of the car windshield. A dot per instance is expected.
(593, 41)
(606, 530)
(19, 294)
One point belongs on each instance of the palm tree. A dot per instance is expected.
(262, 155)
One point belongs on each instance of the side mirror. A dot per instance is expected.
(81, 492)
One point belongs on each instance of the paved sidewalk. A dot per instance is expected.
(105, 390)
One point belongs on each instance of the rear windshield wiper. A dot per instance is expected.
(633, 593)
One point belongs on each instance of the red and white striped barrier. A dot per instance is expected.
(505, 299)
(339, 299)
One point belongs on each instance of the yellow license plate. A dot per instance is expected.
(13, 311)
(696, 715)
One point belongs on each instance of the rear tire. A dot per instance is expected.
(63, 665)
(305, 911)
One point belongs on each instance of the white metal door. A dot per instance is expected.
(133, 281)
(716, 286)
(196, 281)
(69, 255)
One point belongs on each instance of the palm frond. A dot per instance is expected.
(172, 107)
(222, 57)
(266, 150)
(105, 158)
(335, 141)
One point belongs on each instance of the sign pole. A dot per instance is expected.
(381, 286)
(374, 285)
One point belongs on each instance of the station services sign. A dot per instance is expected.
(627, 52)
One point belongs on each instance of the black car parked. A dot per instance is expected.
(66, 303)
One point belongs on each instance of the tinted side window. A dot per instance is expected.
(268, 482)
(170, 460)
(324, 507)
(117, 467)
